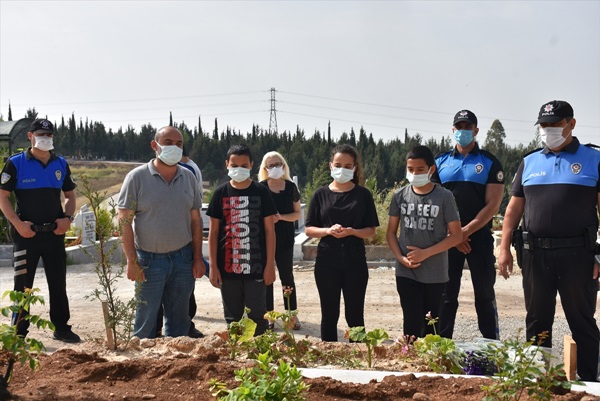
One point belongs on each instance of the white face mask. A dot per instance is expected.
(238, 174)
(342, 175)
(275, 172)
(552, 136)
(170, 154)
(418, 180)
(43, 143)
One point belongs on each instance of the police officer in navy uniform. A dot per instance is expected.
(557, 188)
(37, 176)
(476, 179)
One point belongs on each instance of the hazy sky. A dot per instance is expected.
(385, 66)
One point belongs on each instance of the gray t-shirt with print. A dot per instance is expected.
(424, 222)
(162, 219)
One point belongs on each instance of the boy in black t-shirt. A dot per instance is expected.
(241, 240)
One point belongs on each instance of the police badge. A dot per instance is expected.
(58, 174)
(576, 168)
(478, 168)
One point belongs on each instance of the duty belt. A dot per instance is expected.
(554, 243)
(42, 228)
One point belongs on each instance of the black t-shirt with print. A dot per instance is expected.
(242, 248)
(284, 202)
(354, 208)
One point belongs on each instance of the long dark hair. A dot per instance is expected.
(350, 150)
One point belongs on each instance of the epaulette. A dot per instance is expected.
(441, 153)
(591, 145)
(533, 151)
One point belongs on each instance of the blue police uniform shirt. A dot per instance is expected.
(560, 190)
(37, 187)
(467, 177)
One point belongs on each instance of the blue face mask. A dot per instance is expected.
(463, 136)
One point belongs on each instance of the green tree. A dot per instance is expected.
(31, 113)
(494, 140)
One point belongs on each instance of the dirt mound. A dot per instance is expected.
(161, 370)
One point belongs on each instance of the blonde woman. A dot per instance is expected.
(274, 173)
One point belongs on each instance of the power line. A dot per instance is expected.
(145, 99)
(409, 108)
(365, 112)
(177, 107)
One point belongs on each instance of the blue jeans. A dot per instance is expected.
(169, 278)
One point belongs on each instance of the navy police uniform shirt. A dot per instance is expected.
(560, 190)
(467, 177)
(37, 186)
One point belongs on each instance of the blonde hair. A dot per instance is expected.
(262, 171)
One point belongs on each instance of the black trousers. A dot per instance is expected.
(26, 255)
(161, 312)
(483, 276)
(332, 279)
(417, 299)
(568, 271)
(238, 294)
(284, 258)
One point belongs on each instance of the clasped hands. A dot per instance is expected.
(339, 231)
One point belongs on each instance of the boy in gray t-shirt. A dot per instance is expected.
(429, 225)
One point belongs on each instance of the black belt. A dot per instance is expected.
(43, 228)
(554, 243)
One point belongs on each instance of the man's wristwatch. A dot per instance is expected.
(70, 217)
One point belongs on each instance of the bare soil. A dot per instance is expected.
(183, 372)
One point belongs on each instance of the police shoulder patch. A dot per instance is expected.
(500, 175)
(5, 177)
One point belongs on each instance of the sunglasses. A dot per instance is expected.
(270, 166)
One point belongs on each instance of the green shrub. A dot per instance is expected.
(17, 348)
(382, 200)
(520, 373)
(264, 383)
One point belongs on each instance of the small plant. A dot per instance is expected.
(440, 353)
(240, 332)
(406, 344)
(266, 342)
(264, 382)
(520, 372)
(16, 347)
(286, 321)
(119, 314)
(371, 339)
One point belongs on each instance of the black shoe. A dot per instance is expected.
(66, 336)
(195, 333)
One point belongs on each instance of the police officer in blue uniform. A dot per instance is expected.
(37, 176)
(476, 179)
(557, 188)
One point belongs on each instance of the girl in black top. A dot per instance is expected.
(342, 214)
(274, 173)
